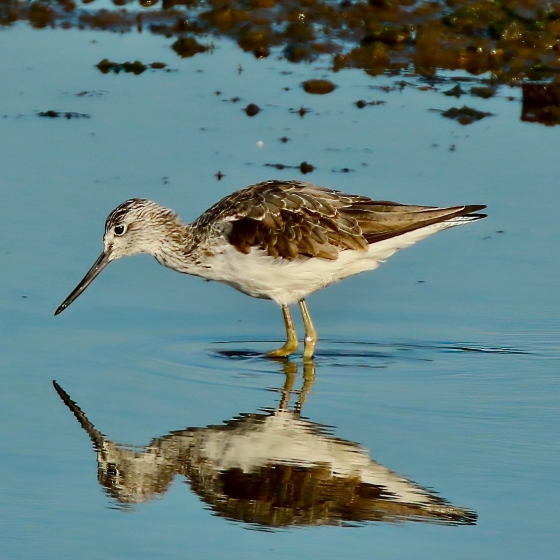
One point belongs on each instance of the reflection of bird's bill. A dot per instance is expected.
(95, 435)
(97, 267)
(274, 470)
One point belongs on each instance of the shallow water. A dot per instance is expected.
(441, 366)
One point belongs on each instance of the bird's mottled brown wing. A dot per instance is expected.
(289, 219)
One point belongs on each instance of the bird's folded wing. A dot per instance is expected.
(292, 219)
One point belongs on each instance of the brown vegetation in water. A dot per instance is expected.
(513, 39)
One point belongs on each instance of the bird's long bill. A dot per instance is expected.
(97, 267)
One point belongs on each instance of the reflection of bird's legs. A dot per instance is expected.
(308, 380)
(310, 332)
(292, 343)
(290, 370)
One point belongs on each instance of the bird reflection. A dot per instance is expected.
(270, 470)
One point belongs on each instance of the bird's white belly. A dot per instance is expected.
(287, 281)
(284, 281)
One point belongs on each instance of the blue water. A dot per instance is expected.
(442, 364)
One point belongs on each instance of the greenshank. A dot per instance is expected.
(278, 240)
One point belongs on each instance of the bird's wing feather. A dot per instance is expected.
(289, 219)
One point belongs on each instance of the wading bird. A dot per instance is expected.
(278, 240)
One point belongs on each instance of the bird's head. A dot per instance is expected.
(135, 226)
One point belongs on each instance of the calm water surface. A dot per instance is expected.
(428, 426)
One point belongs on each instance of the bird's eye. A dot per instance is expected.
(119, 230)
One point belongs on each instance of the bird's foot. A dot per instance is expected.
(289, 348)
(309, 348)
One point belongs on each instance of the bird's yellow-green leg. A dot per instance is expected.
(292, 343)
(310, 332)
